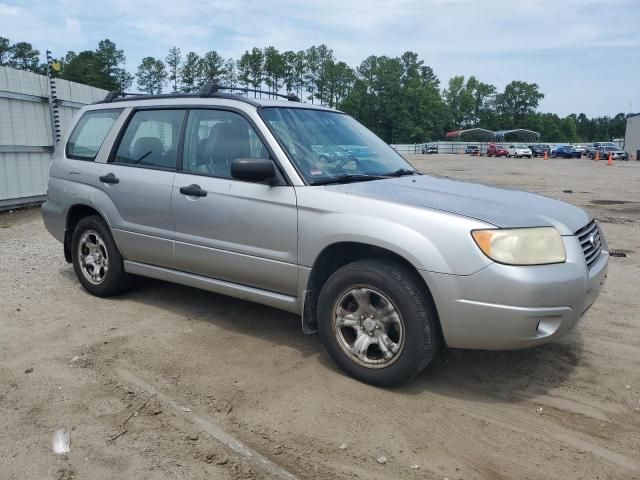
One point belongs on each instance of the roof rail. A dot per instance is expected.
(207, 91)
(211, 89)
(115, 95)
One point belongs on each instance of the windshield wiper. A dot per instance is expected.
(401, 172)
(352, 177)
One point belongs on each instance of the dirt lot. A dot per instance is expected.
(210, 366)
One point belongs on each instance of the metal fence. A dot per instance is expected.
(33, 112)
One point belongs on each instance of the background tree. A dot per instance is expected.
(256, 68)
(229, 76)
(339, 79)
(124, 79)
(274, 69)
(24, 57)
(191, 72)
(299, 71)
(312, 68)
(151, 75)
(173, 61)
(244, 69)
(326, 61)
(288, 72)
(399, 98)
(212, 68)
(518, 100)
(87, 68)
(5, 51)
(111, 59)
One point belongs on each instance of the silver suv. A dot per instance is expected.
(301, 208)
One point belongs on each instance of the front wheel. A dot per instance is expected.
(96, 259)
(377, 321)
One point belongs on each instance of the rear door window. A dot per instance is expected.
(151, 139)
(89, 134)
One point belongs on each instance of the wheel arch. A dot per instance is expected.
(335, 256)
(75, 213)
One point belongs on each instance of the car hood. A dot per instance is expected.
(505, 208)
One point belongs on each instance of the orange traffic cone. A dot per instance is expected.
(546, 155)
(610, 160)
(597, 157)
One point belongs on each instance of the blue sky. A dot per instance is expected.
(584, 54)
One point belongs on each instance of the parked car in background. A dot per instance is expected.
(429, 149)
(565, 151)
(472, 149)
(591, 149)
(518, 151)
(539, 150)
(494, 150)
(616, 153)
(580, 148)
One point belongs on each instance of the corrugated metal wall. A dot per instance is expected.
(26, 140)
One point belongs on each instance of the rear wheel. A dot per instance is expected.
(377, 322)
(96, 259)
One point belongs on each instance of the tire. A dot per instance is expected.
(110, 278)
(411, 325)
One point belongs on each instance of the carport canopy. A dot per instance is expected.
(471, 135)
(517, 134)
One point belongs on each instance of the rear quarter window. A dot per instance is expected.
(89, 134)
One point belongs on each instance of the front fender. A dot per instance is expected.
(437, 246)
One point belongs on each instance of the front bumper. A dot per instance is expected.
(504, 307)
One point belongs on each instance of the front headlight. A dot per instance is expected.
(522, 246)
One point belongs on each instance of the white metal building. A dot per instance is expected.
(26, 131)
(632, 136)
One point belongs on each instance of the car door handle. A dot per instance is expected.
(109, 178)
(193, 191)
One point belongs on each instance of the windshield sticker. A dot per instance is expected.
(316, 172)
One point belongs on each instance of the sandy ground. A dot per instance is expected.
(208, 365)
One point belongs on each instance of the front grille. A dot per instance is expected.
(589, 238)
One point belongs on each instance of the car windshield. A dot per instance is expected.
(328, 146)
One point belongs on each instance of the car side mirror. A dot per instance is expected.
(253, 169)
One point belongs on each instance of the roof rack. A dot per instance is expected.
(211, 89)
(208, 91)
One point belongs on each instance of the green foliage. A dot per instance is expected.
(5, 51)
(87, 67)
(191, 72)
(212, 68)
(229, 76)
(256, 68)
(398, 98)
(518, 100)
(274, 68)
(24, 57)
(173, 61)
(151, 75)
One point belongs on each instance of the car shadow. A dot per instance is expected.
(486, 375)
(235, 315)
(470, 374)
